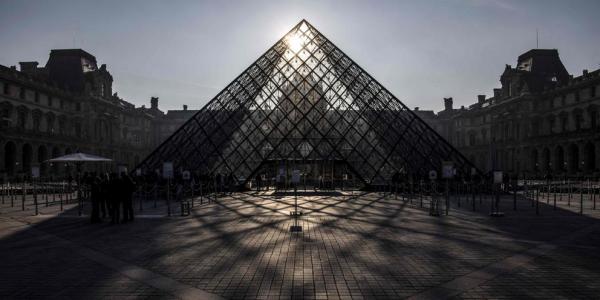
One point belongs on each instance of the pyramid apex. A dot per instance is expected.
(302, 21)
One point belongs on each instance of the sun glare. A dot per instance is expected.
(295, 42)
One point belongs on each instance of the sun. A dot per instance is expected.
(295, 42)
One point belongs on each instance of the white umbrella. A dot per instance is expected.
(78, 157)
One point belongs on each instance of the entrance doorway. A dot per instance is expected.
(315, 175)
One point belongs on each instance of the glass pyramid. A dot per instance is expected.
(305, 100)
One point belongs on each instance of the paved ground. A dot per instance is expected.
(353, 246)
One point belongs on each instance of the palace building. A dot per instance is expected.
(542, 120)
(69, 106)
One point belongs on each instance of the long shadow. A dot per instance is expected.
(239, 247)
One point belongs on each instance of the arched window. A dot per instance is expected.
(50, 123)
(573, 158)
(27, 156)
(10, 158)
(559, 159)
(590, 157)
(472, 139)
(594, 115)
(546, 160)
(534, 160)
(42, 155)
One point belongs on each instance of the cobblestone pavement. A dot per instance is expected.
(352, 246)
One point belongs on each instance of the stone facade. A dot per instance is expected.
(542, 120)
(68, 106)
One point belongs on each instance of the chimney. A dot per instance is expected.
(416, 108)
(154, 102)
(497, 93)
(585, 72)
(480, 99)
(184, 107)
(448, 103)
(28, 66)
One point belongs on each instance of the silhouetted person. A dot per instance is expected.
(104, 197)
(95, 194)
(395, 180)
(126, 189)
(258, 179)
(114, 191)
(230, 183)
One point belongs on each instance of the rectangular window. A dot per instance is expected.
(50, 125)
(78, 130)
(22, 93)
(37, 97)
(21, 120)
(36, 123)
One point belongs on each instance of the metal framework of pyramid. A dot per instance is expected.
(304, 99)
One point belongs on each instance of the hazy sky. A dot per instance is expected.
(185, 52)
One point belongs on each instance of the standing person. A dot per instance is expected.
(218, 182)
(230, 183)
(179, 190)
(104, 196)
(127, 187)
(114, 191)
(95, 194)
(258, 179)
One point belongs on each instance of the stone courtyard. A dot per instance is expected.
(354, 245)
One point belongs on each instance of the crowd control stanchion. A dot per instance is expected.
(594, 189)
(24, 191)
(169, 197)
(35, 200)
(515, 184)
(12, 195)
(61, 202)
(554, 196)
(200, 192)
(447, 197)
(421, 193)
(537, 201)
(581, 198)
(141, 196)
(79, 200)
(570, 191)
(192, 188)
(155, 194)
(46, 193)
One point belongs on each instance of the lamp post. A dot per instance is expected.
(305, 149)
(266, 150)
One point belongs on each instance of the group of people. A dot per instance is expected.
(111, 196)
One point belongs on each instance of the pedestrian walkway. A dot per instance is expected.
(353, 245)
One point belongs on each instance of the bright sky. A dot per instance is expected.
(185, 52)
